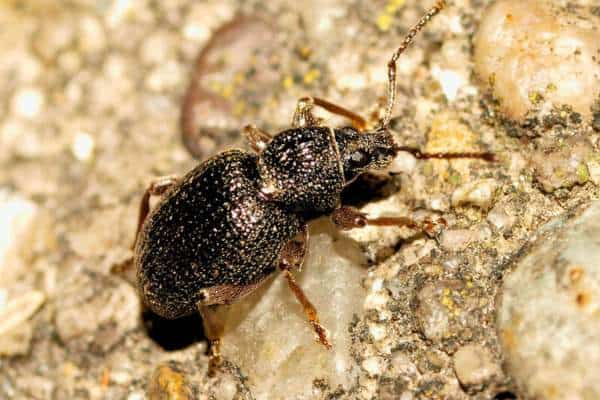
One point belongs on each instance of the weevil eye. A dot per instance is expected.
(359, 159)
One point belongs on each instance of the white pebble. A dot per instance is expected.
(373, 365)
(19, 310)
(456, 239)
(479, 193)
(83, 146)
(28, 102)
(17, 215)
(136, 396)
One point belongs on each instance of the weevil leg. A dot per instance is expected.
(213, 319)
(309, 310)
(257, 138)
(292, 256)
(357, 121)
(303, 116)
(346, 218)
(157, 187)
(294, 252)
(213, 308)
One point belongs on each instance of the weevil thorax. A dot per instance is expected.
(364, 151)
(300, 169)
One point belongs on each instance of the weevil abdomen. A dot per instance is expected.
(213, 228)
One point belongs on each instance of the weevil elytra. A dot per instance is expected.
(223, 228)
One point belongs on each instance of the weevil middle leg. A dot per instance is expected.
(257, 138)
(292, 257)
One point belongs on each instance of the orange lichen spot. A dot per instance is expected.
(105, 378)
(575, 273)
(582, 299)
(508, 338)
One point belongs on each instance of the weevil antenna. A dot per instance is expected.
(391, 92)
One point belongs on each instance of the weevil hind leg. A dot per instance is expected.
(157, 187)
(292, 257)
(214, 307)
(303, 116)
(346, 218)
(213, 319)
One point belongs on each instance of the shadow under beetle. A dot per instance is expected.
(223, 228)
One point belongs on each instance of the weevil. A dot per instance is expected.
(222, 229)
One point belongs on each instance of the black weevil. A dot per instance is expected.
(222, 229)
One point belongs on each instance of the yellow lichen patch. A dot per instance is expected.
(385, 19)
(583, 174)
(166, 383)
(311, 76)
(288, 82)
(535, 97)
(447, 300)
(239, 108)
(227, 91)
(450, 135)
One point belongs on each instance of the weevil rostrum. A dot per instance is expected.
(220, 230)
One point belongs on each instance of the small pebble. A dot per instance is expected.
(554, 60)
(475, 366)
(500, 219)
(478, 193)
(456, 239)
(15, 333)
(373, 365)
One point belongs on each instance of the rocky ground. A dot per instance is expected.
(503, 303)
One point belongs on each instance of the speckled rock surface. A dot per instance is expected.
(94, 106)
(549, 316)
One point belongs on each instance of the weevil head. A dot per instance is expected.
(364, 151)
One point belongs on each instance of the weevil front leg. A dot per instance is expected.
(304, 117)
(292, 257)
(347, 218)
(257, 138)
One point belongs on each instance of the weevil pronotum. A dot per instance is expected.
(223, 228)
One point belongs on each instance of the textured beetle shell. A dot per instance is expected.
(301, 168)
(213, 228)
